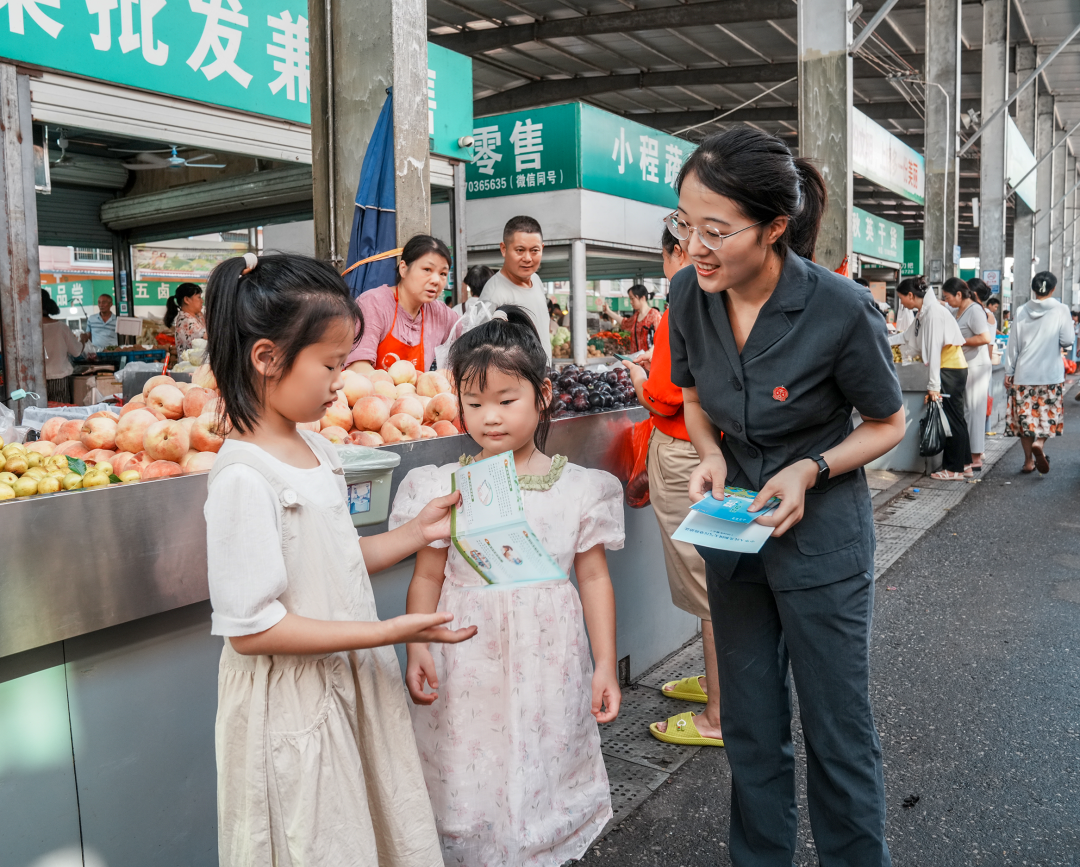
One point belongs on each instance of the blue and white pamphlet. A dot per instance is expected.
(489, 528)
(725, 524)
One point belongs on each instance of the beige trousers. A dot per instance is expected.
(670, 463)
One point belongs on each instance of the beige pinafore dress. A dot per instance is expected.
(317, 765)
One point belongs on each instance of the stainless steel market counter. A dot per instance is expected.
(108, 671)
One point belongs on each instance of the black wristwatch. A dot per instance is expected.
(822, 473)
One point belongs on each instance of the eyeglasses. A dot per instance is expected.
(709, 236)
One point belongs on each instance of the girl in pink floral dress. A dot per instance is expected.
(508, 735)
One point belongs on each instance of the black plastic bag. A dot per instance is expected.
(933, 429)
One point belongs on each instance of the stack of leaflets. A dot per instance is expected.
(489, 527)
(726, 524)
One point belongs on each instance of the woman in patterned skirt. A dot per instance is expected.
(1035, 371)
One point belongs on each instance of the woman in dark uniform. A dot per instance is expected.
(775, 351)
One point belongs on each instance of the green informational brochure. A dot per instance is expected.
(489, 527)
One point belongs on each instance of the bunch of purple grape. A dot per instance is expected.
(580, 390)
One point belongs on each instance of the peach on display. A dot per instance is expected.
(370, 413)
(195, 399)
(355, 386)
(336, 435)
(427, 433)
(445, 429)
(168, 400)
(377, 376)
(402, 371)
(385, 389)
(408, 405)
(70, 430)
(51, 429)
(71, 448)
(443, 407)
(432, 383)
(205, 434)
(161, 470)
(339, 415)
(42, 447)
(399, 428)
(165, 441)
(132, 429)
(121, 460)
(154, 381)
(104, 413)
(365, 438)
(99, 433)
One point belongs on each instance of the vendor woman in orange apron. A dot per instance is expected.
(407, 321)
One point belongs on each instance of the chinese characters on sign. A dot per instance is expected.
(873, 236)
(881, 157)
(246, 54)
(574, 146)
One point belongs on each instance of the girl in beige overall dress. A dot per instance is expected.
(317, 764)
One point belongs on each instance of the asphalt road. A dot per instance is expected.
(976, 691)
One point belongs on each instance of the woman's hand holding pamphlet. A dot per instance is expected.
(726, 524)
(489, 528)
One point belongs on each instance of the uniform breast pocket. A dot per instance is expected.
(831, 521)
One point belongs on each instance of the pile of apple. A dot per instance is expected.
(390, 406)
(171, 429)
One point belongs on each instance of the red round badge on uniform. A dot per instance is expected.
(779, 393)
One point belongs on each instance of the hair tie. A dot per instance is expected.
(500, 314)
(251, 260)
(1042, 287)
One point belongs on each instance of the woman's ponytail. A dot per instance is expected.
(172, 310)
(802, 232)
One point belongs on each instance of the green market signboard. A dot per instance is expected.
(573, 146)
(913, 259)
(450, 101)
(250, 55)
(156, 293)
(873, 236)
(78, 293)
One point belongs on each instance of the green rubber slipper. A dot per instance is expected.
(687, 689)
(681, 730)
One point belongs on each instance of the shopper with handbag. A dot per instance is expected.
(935, 336)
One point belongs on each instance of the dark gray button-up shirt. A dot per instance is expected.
(818, 348)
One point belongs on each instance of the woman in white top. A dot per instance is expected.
(936, 337)
(975, 327)
(1035, 371)
(60, 347)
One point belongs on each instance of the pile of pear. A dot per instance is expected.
(26, 473)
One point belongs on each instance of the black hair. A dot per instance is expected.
(512, 347)
(956, 286)
(993, 299)
(641, 292)
(1043, 284)
(981, 290)
(105, 295)
(287, 299)
(757, 172)
(419, 246)
(916, 286)
(528, 225)
(668, 241)
(172, 306)
(48, 306)
(864, 283)
(476, 279)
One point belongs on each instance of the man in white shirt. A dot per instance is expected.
(102, 325)
(517, 283)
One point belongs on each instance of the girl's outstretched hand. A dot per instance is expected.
(410, 628)
(606, 695)
(421, 670)
(433, 521)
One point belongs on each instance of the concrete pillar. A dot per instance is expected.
(995, 81)
(20, 275)
(942, 73)
(1065, 276)
(459, 240)
(1023, 235)
(579, 311)
(373, 45)
(1045, 139)
(1057, 215)
(825, 116)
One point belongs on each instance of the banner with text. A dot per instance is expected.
(881, 157)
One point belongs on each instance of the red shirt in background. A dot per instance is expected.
(661, 395)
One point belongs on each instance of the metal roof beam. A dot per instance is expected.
(693, 15)
(772, 114)
(552, 91)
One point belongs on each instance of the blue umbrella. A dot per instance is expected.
(374, 228)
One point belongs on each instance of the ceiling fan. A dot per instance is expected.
(149, 159)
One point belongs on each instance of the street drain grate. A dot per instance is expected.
(630, 785)
(892, 542)
(923, 510)
(684, 662)
(628, 737)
